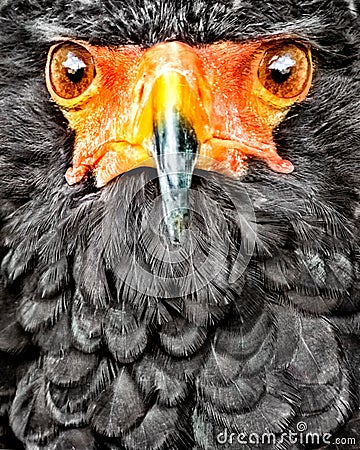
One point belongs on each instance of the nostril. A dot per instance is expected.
(141, 91)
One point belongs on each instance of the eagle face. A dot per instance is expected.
(177, 106)
(179, 213)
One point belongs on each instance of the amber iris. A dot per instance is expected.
(285, 70)
(72, 70)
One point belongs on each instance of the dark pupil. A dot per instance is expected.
(75, 75)
(280, 76)
(75, 67)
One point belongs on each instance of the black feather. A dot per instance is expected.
(97, 351)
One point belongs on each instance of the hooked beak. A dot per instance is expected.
(170, 118)
(175, 148)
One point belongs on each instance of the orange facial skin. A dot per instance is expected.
(215, 87)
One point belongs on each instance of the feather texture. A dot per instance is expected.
(105, 341)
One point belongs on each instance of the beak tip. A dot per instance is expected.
(176, 223)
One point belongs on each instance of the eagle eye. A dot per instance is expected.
(71, 70)
(285, 70)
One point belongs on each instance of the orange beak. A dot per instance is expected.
(175, 145)
(171, 120)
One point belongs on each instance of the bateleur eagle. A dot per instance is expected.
(179, 224)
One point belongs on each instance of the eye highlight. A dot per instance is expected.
(285, 70)
(71, 70)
